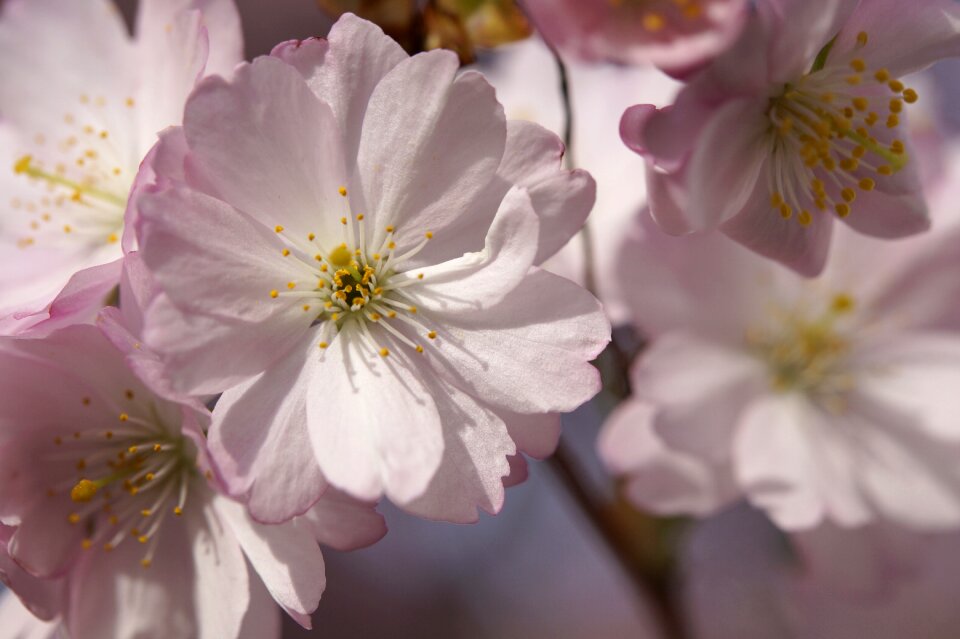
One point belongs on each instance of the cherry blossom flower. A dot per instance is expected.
(801, 122)
(676, 35)
(825, 399)
(81, 104)
(345, 239)
(115, 520)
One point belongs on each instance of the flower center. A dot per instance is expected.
(831, 136)
(360, 280)
(83, 178)
(657, 14)
(806, 352)
(127, 480)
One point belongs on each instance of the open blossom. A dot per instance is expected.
(345, 240)
(81, 103)
(115, 522)
(801, 122)
(676, 35)
(826, 399)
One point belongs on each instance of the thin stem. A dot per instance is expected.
(654, 586)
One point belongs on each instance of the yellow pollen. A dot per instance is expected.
(285, 252)
(391, 314)
(83, 491)
(342, 191)
(360, 217)
(384, 352)
(910, 96)
(306, 307)
(419, 348)
(107, 547)
(340, 256)
(323, 345)
(23, 164)
(860, 104)
(124, 417)
(848, 194)
(862, 39)
(842, 303)
(274, 293)
(882, 75)
(177, 511)
(389, 229)
(853, 80)
(804, 218)
(867, 184)
(654, 22)
(895, 85)
(428, 235)
(145, 562)
(143, 539)
(432, 335)
(130, 102)
(842, 209)
(896, 106)
(87, 544)
(885, 170)
(74, 518)
(291, 285)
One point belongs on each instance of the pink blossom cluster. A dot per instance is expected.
(244, 303)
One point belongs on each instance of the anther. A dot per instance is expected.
(342, 191)
(84, 491)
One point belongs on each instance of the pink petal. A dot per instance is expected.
(659, 479)
(285, 556)
(562, 199)
(798, 29)
(259, 439)
(534, 435)
(903, 42)
(343, 523)
(480, 279)
(726, 163)
(528, 354)
(219, 19)
(889, 216)
(221, 591)
(373, 425)
(344, 70)
(914, 375)
(760, 228)
(80, 300)
(475, 451)
(287, 167)
(907, 475)
(189, 242)
(422, 108)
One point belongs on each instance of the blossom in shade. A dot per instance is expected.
(114, 523)
(818, 400)
(801, 122)
(75, 122)
(676, 35)
(345, 241)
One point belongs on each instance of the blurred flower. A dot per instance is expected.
(745, 580)
(82, 103)
(528, 85)
(676, 35)
(119, 528)
(825, 399)
(795, 125)
(462, 26)
(384, 326)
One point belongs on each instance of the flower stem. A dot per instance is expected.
(652, 581)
